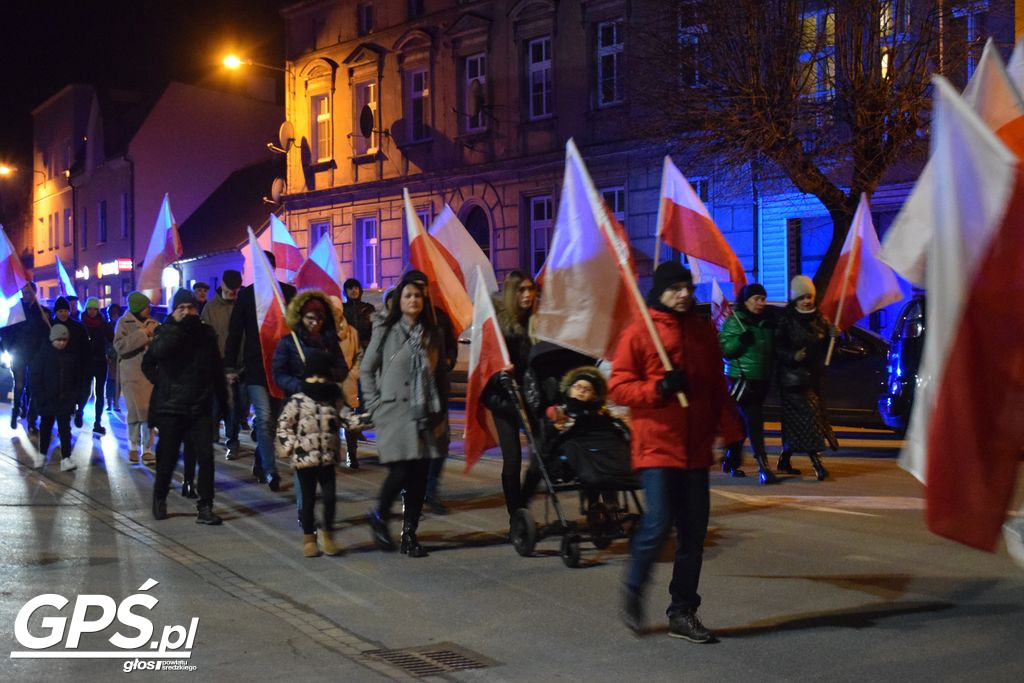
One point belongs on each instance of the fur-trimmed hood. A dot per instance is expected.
(293, 316)
(594, 376)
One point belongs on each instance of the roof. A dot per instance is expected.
(220, 221)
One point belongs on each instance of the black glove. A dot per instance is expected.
(747, 338)
(673, 382)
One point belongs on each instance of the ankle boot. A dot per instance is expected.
(327, 543)
(765, 474)
(379, 528)
(410, 544)
(820, 472)
(309, 548)
(784, 465)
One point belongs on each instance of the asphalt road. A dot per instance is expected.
(831, 581)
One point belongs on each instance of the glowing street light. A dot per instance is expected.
(6, 170)
(234, 61)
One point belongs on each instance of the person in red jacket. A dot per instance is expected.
(671, 444)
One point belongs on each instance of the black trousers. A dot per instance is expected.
(410, 475)
(507, 425)
(309, 477)
(97, 370)
(752, 411)
(196, 433)
(63, 432)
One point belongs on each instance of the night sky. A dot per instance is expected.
(135, 45)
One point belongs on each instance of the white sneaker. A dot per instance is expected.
(148, 457)
(67, 464)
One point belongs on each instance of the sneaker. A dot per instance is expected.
(98, 429)
(206, 515)
(148, 457)
(632, 612)
(133, 455)
(687, 625)
(67, 464)
(231, 453)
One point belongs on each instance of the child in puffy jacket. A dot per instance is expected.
(55, 379)
(308, 435)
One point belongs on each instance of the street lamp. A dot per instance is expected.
(236, 62)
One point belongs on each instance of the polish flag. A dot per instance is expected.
(685, 224)
(286, 252)
(263, 241)
(585, 307)
(269, 311)
(447, 288)
(64, 281)
(998, 102)
(860, 284)
(11, 310)
(164, 249)
(453, 236)
(721, 309)
(966, 427)
(487, 357)
(13, 275)
(321, 270)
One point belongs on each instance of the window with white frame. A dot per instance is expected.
(320, 125)
(317, 230)
(817, 63)
(538, 62)
(615, 198)
(365, 96)
(364, 18)
(368, 250)
(476, 71)
(67, 227)
(417, 104)
(124, 215)
(101, 225)
(610, 51)
(541, 228)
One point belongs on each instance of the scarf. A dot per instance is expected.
(93, 323)
(425, 400)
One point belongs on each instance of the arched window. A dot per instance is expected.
(480, 228)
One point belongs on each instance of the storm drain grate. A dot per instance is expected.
(431, 660)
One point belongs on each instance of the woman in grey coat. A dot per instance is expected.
(402, 396)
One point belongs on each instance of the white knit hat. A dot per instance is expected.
(801, 285)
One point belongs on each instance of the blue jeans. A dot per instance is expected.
(266, 409)
(680, 498)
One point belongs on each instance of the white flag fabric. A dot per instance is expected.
(449, 231)
(164, 249)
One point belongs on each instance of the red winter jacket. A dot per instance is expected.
(664, 433)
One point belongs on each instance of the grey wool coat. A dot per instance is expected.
(385, 377)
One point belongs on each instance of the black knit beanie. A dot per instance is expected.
(666, 275)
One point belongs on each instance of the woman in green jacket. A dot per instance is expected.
(747, 340)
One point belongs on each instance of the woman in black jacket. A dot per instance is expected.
(801, 341)
(55, 380)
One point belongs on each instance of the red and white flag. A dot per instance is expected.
(64, 281)
(587, 302)
(164, 249)
(11, 310)
(487, 356)
(861, 284)
(998, 102)
(282, 246)
(721, 309)
(270, 310)
(453, 236)
(685, 224)
(321, 270)
(966, 427)
(13, 275)
(447, 288)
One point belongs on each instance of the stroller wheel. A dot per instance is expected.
(602, 525)
(571, 551)
(523, 532)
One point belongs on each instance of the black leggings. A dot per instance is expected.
(752, 411)
(63, 432)
(410, 475)
(507, 425)
(309, 477)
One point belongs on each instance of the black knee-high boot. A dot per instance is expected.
(784, 466)
(819, 470)
(410, 544)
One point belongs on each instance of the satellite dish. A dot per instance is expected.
(366, 121)
(277, 188)
(286, 135)
(475, 100)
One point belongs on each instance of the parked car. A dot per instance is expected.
(905, 348)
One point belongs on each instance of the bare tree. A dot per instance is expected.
(829, 94)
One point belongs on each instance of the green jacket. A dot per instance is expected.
(752, 361)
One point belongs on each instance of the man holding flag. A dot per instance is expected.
(22, 340)
(246, 324)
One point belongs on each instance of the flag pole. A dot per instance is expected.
(846, 284)
(621, 254)
(661, 214)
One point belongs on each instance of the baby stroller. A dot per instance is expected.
(596, 464)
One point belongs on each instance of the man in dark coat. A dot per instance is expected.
(358, 313)
(184, 365)
(244, 339)
(78, 345)
(23, 341)
(100, 339)
(217, 314)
